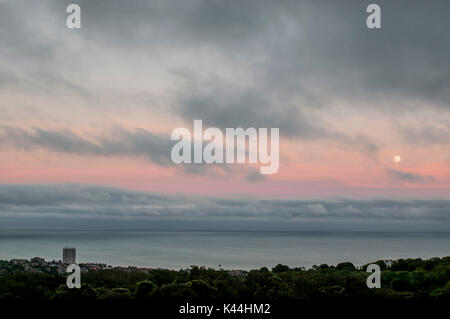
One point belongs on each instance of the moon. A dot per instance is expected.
(397, 158)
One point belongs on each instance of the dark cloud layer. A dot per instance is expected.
(426, 134)
(121, 142)
(397, 175)
(93, 202)
(300, 55)
(137, 143)
(315, 51)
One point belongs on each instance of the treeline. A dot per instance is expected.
(403, 279)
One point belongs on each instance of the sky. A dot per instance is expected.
(95, 107)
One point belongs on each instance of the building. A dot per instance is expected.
(69, 254)
(19, 261)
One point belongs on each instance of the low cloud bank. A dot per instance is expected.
(73, 201)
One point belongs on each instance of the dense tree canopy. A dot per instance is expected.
(402, 279)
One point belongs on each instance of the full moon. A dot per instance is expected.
(397, 158)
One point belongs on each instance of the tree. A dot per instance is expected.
(280, 268)
(144, 289)
(346, 266)
(117, 293)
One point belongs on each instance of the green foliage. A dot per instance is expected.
(280, 268)
(26, 285)
(86, 292)
(144, 289)
(346, 266)
(117, 293)
(405, 279)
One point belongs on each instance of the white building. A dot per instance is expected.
(69, 254)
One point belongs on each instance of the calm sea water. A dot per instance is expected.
(230, 249)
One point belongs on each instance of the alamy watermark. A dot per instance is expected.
(73, 20)
(74, 279)
(374, 279)
(221, 147)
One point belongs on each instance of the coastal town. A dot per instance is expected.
(38, 264)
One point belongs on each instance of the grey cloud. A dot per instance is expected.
(402, 61)
(315, 51)
(426, 134)
(193, 23)
(37, 55)
(409, 177)
(154, 147)
(95, 202)
(43, 82)
(302, 48)
(8, 79)
(121, 142)
(360, 142)
(21, 32)
(221, 104)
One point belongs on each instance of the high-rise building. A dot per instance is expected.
(69, 254)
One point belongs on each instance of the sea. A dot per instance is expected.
(221, 249)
